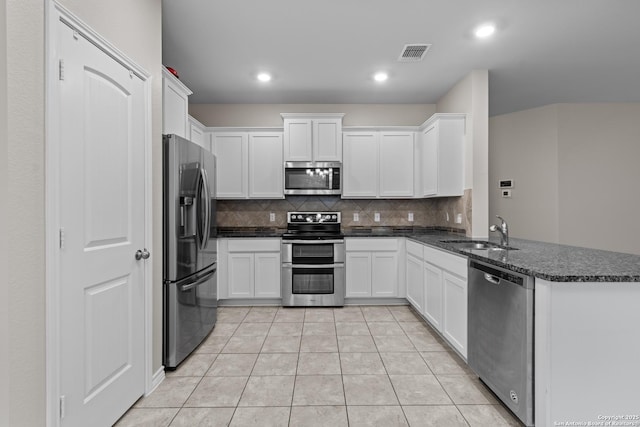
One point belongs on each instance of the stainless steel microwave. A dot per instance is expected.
(304, 178)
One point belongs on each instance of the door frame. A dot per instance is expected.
(54, 14)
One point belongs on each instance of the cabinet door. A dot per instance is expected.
(358, 274)
(197, 135)
(429, 153)
(266, 166)
(396, 164)
(360, 164)
(415, 283)
(327, 140)
(267, 275)
(450, 156)
(175, 103)
(241, 274)
(455, 311)
(384, 274)
(231, 150)
(433, 295)
(297, 140)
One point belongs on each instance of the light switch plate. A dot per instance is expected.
(376, 217)
(410, 217)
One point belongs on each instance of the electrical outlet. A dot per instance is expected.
(376, 217)
(410, 216)
(356, 217)
(459, 218)
(272, 217)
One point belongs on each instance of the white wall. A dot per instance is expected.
(471, 96)
(4, 302)
(25, 199)
(269, 114)
(524, 147)
(599, 175)
(135, 28)
(576, 172)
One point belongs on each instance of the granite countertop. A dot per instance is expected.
(548, 261)
(250, 232)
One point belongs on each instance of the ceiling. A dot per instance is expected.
(326, 51)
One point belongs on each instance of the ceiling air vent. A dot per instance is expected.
(413, 52)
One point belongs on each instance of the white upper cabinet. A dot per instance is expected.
(312, 137)
(378, 164)
(298, 135)
(266, 180)
(360, 165)
(198, 134)
(441, 148)
(327, 139)
(396, 164)
(249, 165)
(175, 105)
(232, 159)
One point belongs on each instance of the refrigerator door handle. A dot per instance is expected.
(200, 280)
(206, 234)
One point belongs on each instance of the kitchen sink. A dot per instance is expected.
(476, 245)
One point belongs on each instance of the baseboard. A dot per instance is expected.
(375, 301)
(156, 380)
(235, 302)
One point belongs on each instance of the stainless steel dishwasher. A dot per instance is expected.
(501, 335)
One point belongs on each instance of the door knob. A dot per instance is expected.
(142, 254)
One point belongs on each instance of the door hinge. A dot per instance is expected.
(61, 69)
(62, 408)
(61, 237)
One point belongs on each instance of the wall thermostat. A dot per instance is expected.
(505, 183)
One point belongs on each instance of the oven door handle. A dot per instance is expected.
(311, 242)
(311, 266)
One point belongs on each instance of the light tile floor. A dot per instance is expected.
(351, 366)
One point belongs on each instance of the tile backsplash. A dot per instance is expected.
(426, 212)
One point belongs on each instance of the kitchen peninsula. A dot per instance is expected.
(586, 317)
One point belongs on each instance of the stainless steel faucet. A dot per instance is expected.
(503, 229)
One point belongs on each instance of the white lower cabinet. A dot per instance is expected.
(433, 295)
(415, 282)
(249, 268)
(455, 311)
(371, 267)
(437, 289)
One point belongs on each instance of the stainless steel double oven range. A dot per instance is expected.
(313, 258)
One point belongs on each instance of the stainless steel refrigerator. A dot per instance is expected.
(189, 242)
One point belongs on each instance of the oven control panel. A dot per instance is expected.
(313, 217)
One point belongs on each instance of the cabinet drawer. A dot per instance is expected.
(371, 244)
(447, 261)
(254, 245)
(415, 249)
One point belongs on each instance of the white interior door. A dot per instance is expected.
(102, 201)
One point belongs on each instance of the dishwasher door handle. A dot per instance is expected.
(490, 278)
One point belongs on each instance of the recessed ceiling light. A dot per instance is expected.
(264, 77)
(485, 30)
(380, 77)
